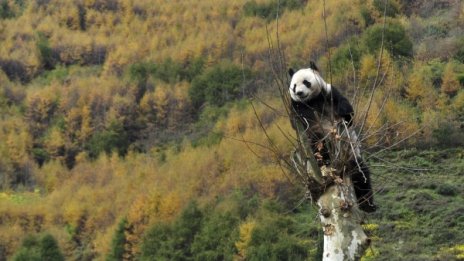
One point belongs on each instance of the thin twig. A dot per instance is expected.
(396, 143)
(278, 113)
(249, 142)
(379, 64)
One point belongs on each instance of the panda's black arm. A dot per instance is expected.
(342, 106)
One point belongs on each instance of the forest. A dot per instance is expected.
(153, 130)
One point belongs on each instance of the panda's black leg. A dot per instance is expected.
(362, 186)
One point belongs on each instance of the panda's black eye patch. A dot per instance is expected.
(294, 87)
(307, 84)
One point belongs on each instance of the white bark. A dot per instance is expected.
(344, 237)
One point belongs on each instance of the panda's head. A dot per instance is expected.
(306, 84)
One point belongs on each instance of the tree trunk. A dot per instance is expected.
(344, 237)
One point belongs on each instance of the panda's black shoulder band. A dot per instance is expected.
(342, 105)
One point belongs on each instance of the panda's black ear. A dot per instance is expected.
(291, 72)
(313, 66)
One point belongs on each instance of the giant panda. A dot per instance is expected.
(317, 104)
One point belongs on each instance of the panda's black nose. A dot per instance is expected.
(299, 94)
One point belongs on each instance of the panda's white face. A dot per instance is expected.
(306, 84)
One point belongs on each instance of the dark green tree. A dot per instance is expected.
(43, 248)
(45, 51)
(192, 68)
(216, 240)
(218, 85)
(118, 242)
(115, 137)
(157, 244)
(390, 8)
(5, 10)
(49, 249)
(268, 10)
(395, 39)
(275, 237)
(345, 56)
(173, 242)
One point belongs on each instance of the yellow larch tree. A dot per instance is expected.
(450, 84)
(86, 129)
(420, 88)
(55, 144)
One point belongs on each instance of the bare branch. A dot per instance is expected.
(379, 65)
(396, 143)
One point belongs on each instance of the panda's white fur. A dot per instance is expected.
(300, 92)
(311, 95)
(307, 93)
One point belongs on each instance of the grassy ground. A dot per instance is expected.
(421, 215)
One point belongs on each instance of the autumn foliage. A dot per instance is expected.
(116, 114)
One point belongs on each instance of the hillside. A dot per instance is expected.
(129, 128)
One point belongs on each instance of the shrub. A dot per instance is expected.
(396, 41)
(192, 68)
(460, 78)
(170, 71)
(269, 10)
(59, 73)
(210, 139)
(447, 134)
(218, 85)
(392, 7)
(167, 71)
(139, 72)
(40, 155)
(367, 16)
(436, 31)
(447, 190)
(436, 72)
(459, 55)
(344, 56)
(421, 202)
